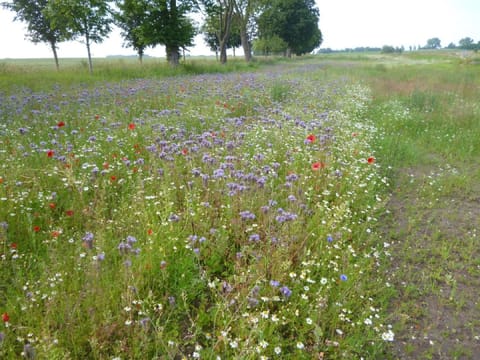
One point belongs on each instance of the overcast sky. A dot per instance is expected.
(344, 23)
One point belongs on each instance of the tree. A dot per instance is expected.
(212, 32)
(244, 11)
(41, 27)
(131, 18)
(88, 19)
(433, 43)
(220, 17)
(267, 46)
(167, 24)
(467, 44)
(294, 21)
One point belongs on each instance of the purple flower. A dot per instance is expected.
(226, 287)
(292, 177)
(144, 322)
(274, 283)
(254, 238)
(218, 173)
(252, 302)
(28, 351)
(286, 291)
(124, 247)
(131, 240)
(174, 218)
(88, 240)
(329, 238)
(343, 277)
(247, 215)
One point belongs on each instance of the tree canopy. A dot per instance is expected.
(42, 27)
(294, 21)
(131, 18)
(89, 20)
(433, 43)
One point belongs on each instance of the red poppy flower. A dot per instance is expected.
(184, 151)
(1, 180)
(113, 178)
(371, 160)
(60, 124)
(131, 126)
(149, 231)
(13, 245)
(318, 165)
(5, 317)
(50, 153)
(36, 228)
(55, 233)
(52, 205)
(97, 117)
(69, 212)
(311, 138)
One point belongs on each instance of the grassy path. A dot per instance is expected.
(430, 116)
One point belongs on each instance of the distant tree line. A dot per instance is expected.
(259, 26)
(466, 43)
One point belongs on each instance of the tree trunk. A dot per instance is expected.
(55, 55)
(223, 52)
(173, 54)
(90, 65)
(244, 10)
(225, 26)
(245, 44)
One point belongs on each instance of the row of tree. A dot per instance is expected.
(288, 26)
(466, 43)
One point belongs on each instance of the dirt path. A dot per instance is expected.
(433, 223)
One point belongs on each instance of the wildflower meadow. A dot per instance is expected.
(216, 216)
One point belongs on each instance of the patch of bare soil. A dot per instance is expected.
(435, 269)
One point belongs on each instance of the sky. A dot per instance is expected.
(344, 24)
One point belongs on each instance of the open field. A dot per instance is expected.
(319, 208)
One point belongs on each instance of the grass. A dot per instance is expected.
(242, 212)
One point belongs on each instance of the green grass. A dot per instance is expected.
(148, 212)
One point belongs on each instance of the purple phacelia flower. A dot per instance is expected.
(131, 240)
(286, 291)
(247, 215)
(274, 283)
(254, 238)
